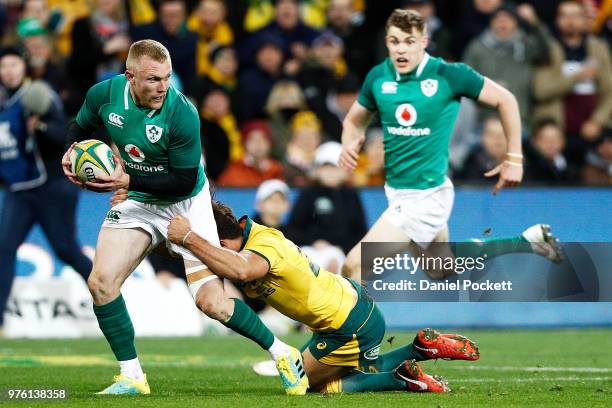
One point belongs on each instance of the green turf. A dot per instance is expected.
(569, 368)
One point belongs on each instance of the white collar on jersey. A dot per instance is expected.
(419, 69)
(126, 93)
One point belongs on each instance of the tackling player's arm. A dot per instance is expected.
(511, 170)
(241, 266)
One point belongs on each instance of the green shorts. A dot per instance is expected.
(357, 342)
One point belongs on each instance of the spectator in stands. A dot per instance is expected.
(50, 19)
(575, 89)
(99, 47)
(340, 98)
(347, 23)
(255, 83)
(370, 170)
(208, 21)
(295, 38)
(327, 212)
(285, 100)
(256, 165)
(40, 56)
(486, 156)
(258, 14)
(506, 53)
(272, 204)
(319, 73)
(63, 15)
(220, 75)
(32, 131)
(598, 167)
(440, 37)
(171, 30)
(301, 149)
(474, 20)
(545, 161)
(220, 136)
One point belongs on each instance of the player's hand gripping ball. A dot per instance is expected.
(90, 159)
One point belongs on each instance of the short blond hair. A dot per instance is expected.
(146, 48)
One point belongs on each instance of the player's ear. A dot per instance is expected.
(223, 243)
(129, 75)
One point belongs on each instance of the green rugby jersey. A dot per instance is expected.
(418, 112)
(149, 140)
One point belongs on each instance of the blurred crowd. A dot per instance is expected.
(273, 79)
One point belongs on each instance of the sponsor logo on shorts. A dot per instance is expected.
(115, 120)
(135, 153)
(372, 354)
(389, 87)
(321, 346)
(113, 216)
(154, 133)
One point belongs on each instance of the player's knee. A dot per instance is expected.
(213, 306)
(101, 288)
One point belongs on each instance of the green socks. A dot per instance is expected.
(357, 381)
(491, 247)
(115, 323)
(391, 359)
(244, 321)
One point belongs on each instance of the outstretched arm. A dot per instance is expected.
(511, 170)
(241, 266)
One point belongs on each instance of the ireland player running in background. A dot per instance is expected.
(157, 132)
(417, 97)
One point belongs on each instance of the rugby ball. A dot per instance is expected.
(90, 159)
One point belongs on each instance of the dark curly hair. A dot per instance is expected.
(228, 226)
(406, 20)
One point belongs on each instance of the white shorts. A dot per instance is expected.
(420, 214)
(154, 219)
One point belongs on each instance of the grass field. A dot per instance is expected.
(570, 368)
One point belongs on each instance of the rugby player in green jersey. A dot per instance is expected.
(417, 98)
(157, 132)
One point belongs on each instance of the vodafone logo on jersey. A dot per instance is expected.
(406, 115)
(135, 153)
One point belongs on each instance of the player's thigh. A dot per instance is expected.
(318, 373)
(381, 231)
(118, 253)
(201, 280)
(439, 249)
